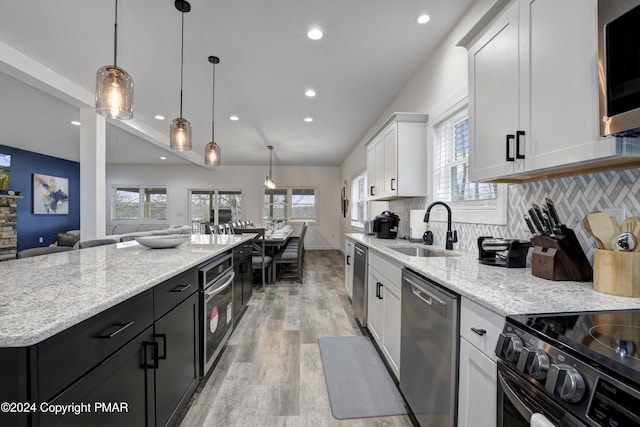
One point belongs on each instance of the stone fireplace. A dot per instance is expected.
(8, 221)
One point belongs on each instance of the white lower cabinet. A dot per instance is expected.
(477, 383)
(384, 304)
(477, 391)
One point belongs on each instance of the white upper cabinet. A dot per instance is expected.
(533, 93)
(397, 158)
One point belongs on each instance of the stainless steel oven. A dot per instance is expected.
(573, 369)
(216, 308)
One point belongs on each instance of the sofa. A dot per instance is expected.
(124, 232)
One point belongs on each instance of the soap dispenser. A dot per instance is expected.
(427, 237)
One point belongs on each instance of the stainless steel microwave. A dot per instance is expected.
(619, 67)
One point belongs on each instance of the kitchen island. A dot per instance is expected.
(501, 290)
(116, 324)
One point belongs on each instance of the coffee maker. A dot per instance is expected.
(385, 225)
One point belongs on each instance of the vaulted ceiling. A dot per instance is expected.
(369, 50)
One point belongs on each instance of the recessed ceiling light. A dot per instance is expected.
(315, 34)
(310, 93)
(234, 118)
(308, 119)
(158, 117)
(75, 123)
(423, 19)
(163, 158)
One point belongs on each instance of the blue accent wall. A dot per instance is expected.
(30, 227)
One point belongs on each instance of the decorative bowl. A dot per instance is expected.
(163, 242)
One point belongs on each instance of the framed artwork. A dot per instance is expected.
(5, 164)
(50, 195)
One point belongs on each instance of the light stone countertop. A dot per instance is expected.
(502, 290)
(43, 295)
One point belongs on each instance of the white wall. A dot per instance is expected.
(323, 234)
(442, 74)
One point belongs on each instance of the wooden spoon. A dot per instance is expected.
(585, 224)
(604, 227)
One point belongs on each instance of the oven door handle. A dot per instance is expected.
(218, 289)
(522, 408)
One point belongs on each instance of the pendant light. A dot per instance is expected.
(212, 150)
(114, 86)
(268, 182)
(180, 130)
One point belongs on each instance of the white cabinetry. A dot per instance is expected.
(383, 313)
(477, 393)
(533, 93)
(349, 250)
(397, 158)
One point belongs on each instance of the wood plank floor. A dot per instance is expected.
(271, 373)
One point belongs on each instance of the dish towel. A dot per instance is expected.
(539, 420)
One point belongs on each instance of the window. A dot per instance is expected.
(359, 200)
(276, 204)
(474, 202)
(139, 203)
(217, 206)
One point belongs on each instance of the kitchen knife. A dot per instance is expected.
(529, 224)
(534, 218)
(538, 212)
(552, 212)
(548, 225)
(547, 215)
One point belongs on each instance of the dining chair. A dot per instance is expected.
(259, 259)
(96, 242)
(291, 255)
(27, 253)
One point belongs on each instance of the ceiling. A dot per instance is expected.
(369, 50)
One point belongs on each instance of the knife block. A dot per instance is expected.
(560, 258)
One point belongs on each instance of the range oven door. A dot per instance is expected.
(518, 400)
(217, 318)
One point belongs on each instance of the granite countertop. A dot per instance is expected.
(41, 296)
(502, 290)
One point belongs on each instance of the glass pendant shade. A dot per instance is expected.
(180, 134)
(114, 93)
(269, 184)
(212, 154)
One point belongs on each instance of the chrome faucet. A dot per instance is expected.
(452, 236)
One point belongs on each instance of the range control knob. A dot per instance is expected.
(566, 382)
(509, 346)
(533, 362)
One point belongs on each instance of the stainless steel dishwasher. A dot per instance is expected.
(429, 350)
(359, 293)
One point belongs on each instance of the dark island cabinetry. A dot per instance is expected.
(135, 364)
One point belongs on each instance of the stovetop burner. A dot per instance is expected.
(621, 339)
(610, 339)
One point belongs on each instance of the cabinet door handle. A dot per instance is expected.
(164, 345)
(145, 356)
(518, 135)
(378, 284)
(393, 181)
(371, 190)
(115, 329)
(181, 288)
(348, 256)
(480, 332)
(509, 158)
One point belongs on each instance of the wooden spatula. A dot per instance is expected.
(603, 227)
(585, 224)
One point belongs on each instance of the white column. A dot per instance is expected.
(93, 138)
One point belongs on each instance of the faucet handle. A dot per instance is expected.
(455, 236)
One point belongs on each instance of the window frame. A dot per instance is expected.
(142, 206)
(214, 195)
(492, 211)
(288, 204)
(355, 181)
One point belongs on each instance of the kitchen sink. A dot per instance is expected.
(423, 252)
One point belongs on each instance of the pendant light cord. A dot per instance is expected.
(181, 61)
(115, 39)
(213, 103)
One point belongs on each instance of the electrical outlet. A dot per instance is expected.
(40, 239)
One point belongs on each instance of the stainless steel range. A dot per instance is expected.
(572, 369)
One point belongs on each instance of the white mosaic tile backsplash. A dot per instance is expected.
(574, 197)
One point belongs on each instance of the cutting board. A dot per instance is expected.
(416, 223)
